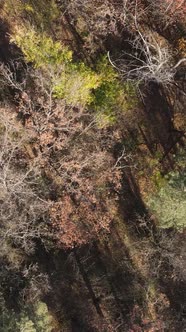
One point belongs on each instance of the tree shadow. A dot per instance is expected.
(8, 51)
(159, 126)
(68, 298)
(132, 207)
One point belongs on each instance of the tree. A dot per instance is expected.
(70, 81)
(21, 208)
(42, 14)
(35, 318)
(81, 173)
(170, 11)
(170, 203)
(150, 60)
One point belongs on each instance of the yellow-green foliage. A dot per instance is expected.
(158, 179)
(41, 49)
(75, 82)
(35, 318)
(39, 321)
(112, 96)
(41, 13)
(76, 85)
(169, 203)
(13, 7)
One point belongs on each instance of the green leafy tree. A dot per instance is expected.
(71, 81)
(75, 82)
(40, 49)
(112, 96)
(31, 319)
(39, 320)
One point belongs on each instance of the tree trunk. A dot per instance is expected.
(88, 284)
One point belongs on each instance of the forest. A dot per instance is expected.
(92, 165)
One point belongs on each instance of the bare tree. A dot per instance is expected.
(38, 283)
(150, 58)
(20, 206)
(73, 154)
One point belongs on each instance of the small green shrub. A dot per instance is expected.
(158, 179)
(112, 96)
(35, 318)
(42, 13)
(169, 204)
(76, 85)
